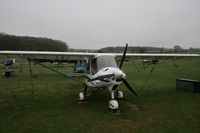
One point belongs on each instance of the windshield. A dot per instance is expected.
(106, 61)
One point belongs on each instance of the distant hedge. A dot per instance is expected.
(26, 43)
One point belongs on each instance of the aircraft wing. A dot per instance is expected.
(47, 56)
(28, 53)
(82, 55)
(161, 55)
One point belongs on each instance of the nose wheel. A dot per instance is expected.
(113, 106)
(113, 103)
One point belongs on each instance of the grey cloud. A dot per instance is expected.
(100, 23)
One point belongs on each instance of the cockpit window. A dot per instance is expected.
(94, 66)
(106, 61)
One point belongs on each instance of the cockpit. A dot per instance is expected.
(100, 62)
(105, 61)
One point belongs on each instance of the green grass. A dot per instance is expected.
(50, 106)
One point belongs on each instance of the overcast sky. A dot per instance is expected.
(101, 23)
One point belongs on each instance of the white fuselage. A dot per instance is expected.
(107, 76)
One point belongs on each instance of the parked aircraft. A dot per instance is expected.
(9, 62)
(102, 71)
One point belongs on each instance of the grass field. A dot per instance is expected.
(50, 106)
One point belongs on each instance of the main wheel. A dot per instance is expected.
(120, 94)
(81, 96)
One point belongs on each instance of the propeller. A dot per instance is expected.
(123, 57)
(129, 87)
(114, 87)
(124, 80)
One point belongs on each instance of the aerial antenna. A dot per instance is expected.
(31, 76)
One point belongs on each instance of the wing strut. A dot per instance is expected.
(31, 76)
(148, 76)
(65, 75)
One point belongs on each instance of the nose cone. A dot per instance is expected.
(119, 74)
(123, 75)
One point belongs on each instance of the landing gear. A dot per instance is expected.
(120, 95)
(81, 96)
(113, 104)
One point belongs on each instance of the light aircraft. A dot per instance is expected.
(9, 62)
(102, 71)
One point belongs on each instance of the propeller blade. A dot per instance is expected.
(114, 87)
(128, 86)
(123, 57)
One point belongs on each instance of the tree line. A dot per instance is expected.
(26, 43)
(138, 49)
